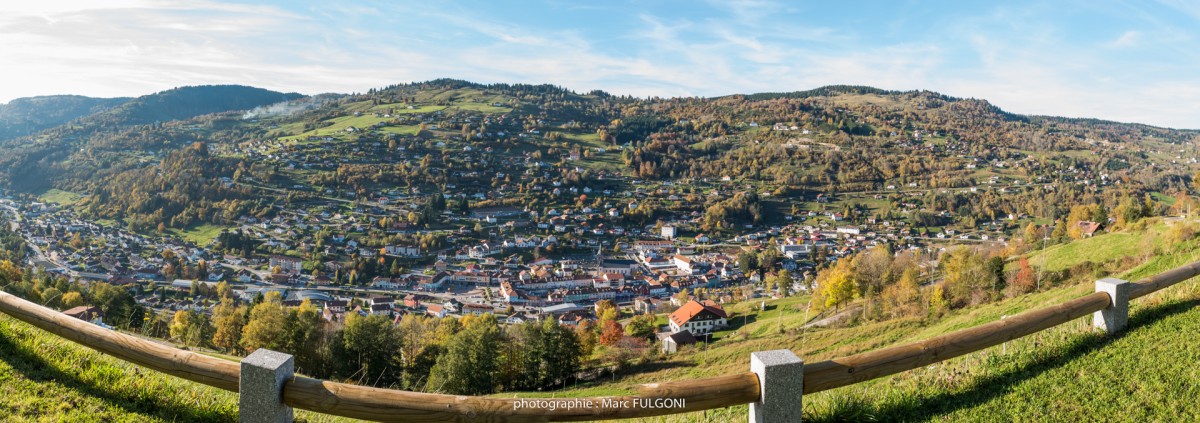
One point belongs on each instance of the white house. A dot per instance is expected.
(698, 318)
(668, 232)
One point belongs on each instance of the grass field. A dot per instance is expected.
(402, 108)
(199, 235)
(48, 379)
(1100, 248)
(1069, 373)
(57, 196)
(610, 160)
(482, 107)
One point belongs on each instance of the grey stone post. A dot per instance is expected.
(781, 381)
(261, 388)
(1116, 316)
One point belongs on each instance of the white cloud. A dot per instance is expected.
(131, 47)
(1127, 39)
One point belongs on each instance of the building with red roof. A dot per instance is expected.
(698, 318)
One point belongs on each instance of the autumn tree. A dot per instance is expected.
(228, 321)
(641, 326)
(937, 300)
(611, 332)
(72, 299)
(1024, 280)
(303, 339)
(968, 279)
(586, 331)
(903, 297)
(1031, 235)
(837, 285)
(191, 328)
(470, 363)
(872, 269)
(367, 349)
(265, 327)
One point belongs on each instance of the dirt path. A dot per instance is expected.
(839, 316)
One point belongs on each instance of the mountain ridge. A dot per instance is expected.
(790, 145)
(28, 115)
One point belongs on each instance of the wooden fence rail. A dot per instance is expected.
(699, 394)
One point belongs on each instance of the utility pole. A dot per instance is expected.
(780, 317)
(1042, 268)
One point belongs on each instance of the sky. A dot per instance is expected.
(1129, 61)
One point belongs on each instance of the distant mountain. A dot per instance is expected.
(427, 136)
(188, 102)
(26, 116)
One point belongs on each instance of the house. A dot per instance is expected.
(1087, 229)
(698, 318)
(87, 314)
(382, 300)
(381, 309)
(431, 283)
(624, 267)
(452, 305)
(669, 232)
(383, 282)
(476, 309)
(514, 319)
(287, 265)
(572, 319)
(336, 306)
(849, 230)
(646, 305)
(796, 250)
(412, 301)
(435, 310)
(671, 342)
(402, 251)
(684, 263)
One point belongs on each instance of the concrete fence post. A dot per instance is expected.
(781, 383)
(260, 389)
(1116, 316)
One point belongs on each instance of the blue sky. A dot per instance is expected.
(1135, 61)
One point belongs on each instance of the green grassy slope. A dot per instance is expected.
(1068, 373)
(1100, 248)
(1147, 373)
(45, 378)
(60, 197)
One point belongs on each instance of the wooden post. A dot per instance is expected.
(781, 383)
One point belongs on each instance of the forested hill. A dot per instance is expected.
(161, 158)
(188, 102)
(105, 140)
(26, 116)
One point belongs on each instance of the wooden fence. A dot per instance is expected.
(690, 395)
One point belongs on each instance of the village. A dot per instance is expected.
(641, 269)
(393, 210)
